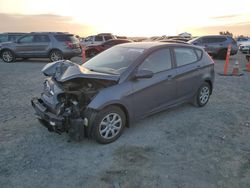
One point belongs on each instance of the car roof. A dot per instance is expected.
(119, 40)
(215, 36)
(148, 45)
(54, 33)
(13, 33)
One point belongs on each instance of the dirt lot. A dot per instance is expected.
(184, 147)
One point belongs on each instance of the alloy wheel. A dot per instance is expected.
(204, 95)
(110, 126)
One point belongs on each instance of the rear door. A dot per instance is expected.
(153, 94)
(189, 71)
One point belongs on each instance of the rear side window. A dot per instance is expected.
(42, 38)
(185, 56)
(107, 38)
(98, 38)
(66, 38)
(158, 61)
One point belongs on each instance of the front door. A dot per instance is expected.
(153, 94)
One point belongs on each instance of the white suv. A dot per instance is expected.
(97, 39)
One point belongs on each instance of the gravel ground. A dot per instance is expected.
(183, 147)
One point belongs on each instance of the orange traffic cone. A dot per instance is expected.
(236, 69)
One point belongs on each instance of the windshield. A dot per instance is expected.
(114, 60)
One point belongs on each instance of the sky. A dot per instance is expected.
(126, 17)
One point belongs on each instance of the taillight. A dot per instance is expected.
(69, 44)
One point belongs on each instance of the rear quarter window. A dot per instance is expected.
(185, 56)
(199, 53)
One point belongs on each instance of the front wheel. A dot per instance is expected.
(109, 125)
(202, 96)
(8, 56)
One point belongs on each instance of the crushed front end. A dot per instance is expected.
(63, 105)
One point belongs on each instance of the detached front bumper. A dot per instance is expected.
(51, 121)
(78, 128)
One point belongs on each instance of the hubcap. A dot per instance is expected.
(55, 56)
(204, 95)
(110, 125)
(7, 56)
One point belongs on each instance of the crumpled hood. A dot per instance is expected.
(65, 70)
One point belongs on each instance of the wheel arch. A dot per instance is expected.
(210, 84)
(2, 50)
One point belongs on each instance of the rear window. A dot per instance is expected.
(213, 39)
(66, 38)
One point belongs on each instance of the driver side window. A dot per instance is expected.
(27, 39)
(157, 61)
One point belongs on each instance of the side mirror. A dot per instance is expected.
(143, 74)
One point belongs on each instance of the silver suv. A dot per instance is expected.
(53, 45)
(216, 45)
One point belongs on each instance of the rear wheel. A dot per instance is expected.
(56, 55)
(222, 54)
(8, 56)
(202, 96)
(109, 124)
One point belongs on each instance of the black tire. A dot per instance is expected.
(106, 130)
(8, 56)
(55, 55)
(222, 54)
(202, 96)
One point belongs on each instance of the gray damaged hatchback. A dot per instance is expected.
(120, 85)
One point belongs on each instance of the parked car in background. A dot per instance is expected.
(216, 45)
(241, 40)
(91, 51)
(245, 47)
(53, 45)
(97, 39)
(10, 37)
(120, 85)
